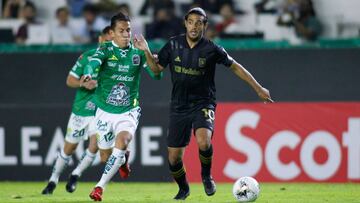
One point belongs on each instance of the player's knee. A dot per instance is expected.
(122, 140)
(69, 148)
(93, 149)
(104, 155)
(174, 158)
(204, 144)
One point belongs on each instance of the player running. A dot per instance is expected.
(192, 60)
(117, 96)
(80, 126)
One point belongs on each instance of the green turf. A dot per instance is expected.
(163, 192)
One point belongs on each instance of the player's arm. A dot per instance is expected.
(75, 82)
(94, 62)
(76, 79)
(241, 72)
(141, 43)
(245, 75)
(153, 75)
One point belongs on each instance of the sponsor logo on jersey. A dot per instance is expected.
(202, 62)
(177, 59)
(123, 68)
(136, 60)
(113, 58)
(111, 64)
(90, 106)
(188, 71)
(124, 78)
(119, 95)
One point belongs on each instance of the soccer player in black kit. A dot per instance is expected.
(192, 59)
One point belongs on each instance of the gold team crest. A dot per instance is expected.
(113, 58)
(202, 62)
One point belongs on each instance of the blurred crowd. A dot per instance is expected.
(81, 21)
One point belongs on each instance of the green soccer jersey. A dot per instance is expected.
(119, 76)
(83, 104)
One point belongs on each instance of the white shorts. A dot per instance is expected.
(108, 125)
(79, 128)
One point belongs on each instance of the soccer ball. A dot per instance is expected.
(246, 189)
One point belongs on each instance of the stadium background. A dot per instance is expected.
(311, 134)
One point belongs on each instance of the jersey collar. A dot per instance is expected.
(117, 46)
(187, 44)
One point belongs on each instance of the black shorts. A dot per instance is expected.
(181, 123)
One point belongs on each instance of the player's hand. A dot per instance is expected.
(90, 85)
(156, 58)
(87, 82)
(86, 77)
(264, 95)
(140, 42)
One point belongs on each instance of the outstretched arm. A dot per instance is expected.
(245, 75)
(141, 43)
(74, 82)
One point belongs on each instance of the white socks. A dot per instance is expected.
(61, 161)
(116, 159)
(86, 161)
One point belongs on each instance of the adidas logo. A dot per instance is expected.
(113, 57)
(177, 59)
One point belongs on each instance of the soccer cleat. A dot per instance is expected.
(96, 194)
(71, 183)
(209, 185)
(182, 194)
(125, 170)
(49, 189)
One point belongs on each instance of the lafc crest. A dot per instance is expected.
(202, 62)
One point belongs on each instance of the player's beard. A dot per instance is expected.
(196, 37)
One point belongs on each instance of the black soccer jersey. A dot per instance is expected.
(192, 69)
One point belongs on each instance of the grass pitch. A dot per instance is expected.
(163, 192)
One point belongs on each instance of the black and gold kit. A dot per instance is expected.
(193, 100)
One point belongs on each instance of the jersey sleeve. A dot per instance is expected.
(164, 55)
(148, 69)
(96, 60)
(152, 74)
(78, 68)
(223, 57)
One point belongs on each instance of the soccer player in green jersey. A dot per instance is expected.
(117, 96)
(80, 125)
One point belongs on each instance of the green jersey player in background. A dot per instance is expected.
(117, 97)
(79, 126)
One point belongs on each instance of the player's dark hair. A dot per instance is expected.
(198, 11)
(118, 17)
(106, 30)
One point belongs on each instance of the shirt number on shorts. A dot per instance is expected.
(109, 136)
(79, 133)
